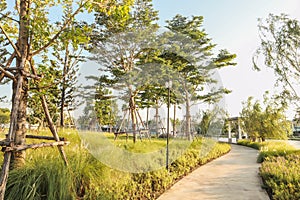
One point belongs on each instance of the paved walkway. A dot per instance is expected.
(294, 143)
(231, 177)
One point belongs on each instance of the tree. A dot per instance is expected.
(190, 53)
(89, 117)
(269, 122)
(279, 50)
(30, 34)
(106, 107)
(49, 86)
(118, 44)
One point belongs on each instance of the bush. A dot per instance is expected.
(282, 176)
(269, 149)
(248, 143)
(280, 168)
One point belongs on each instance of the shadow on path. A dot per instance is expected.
(233, 177)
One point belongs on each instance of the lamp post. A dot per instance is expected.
(168, 85)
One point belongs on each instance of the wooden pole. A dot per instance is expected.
(35, 146)
(52, 128)
(10, 138)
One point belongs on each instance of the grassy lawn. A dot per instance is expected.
(101, 168)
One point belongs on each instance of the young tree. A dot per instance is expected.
(269, 122)
(190, 53)
(106, 107)
(280, 51)
(118, 45)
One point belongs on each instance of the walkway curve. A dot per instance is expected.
(233, 176)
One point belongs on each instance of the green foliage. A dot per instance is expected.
(49, 87)
(275, 149)
(270, 149)
(106, 107)
(269, 122)
(279, 169)
(45, 176)
(4, 115)
(205, 122)
(151, 184)
(190, 53)
(249, 143)
(88, 118)
(279, 50)
(281, 176)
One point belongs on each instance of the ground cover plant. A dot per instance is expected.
(270, 148)
(280, 168)
(46, 177)
(281, 175)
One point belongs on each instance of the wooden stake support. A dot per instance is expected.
(34, 146)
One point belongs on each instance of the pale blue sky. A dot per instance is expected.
(232, 24)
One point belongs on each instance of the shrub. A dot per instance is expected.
(248, 143)
(282, 176)
(269, 149)
(275, 149)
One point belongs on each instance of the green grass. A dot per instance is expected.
(45, 177)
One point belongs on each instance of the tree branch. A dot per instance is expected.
(10, 41)
(42, 137)
(6, 16)
(59, 32)
(9, 61)
(7, 74)
(36, 77)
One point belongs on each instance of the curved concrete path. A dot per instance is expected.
(233, 177)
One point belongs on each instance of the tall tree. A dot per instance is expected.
(190, 53)
(118, 45)
(280, 51)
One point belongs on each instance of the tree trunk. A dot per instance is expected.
(156, 118)
(18, 158)
(188, 117)
(147, 118)
(133, 117)
(63, 89)
(174, 118)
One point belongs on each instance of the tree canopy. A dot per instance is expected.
(267, 121)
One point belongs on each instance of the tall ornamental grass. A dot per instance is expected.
(46, 177)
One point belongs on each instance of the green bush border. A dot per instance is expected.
(279, 170)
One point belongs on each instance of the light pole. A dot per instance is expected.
(168, 85)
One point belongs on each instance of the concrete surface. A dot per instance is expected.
(294, 143)
(233, 177)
